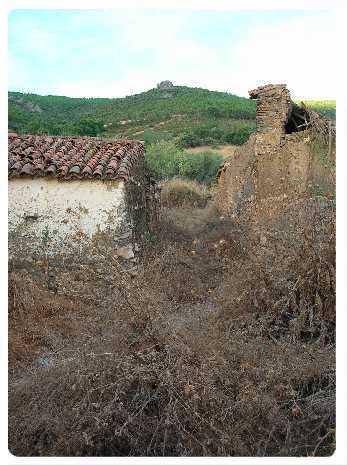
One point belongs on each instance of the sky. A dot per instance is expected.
(114, 53)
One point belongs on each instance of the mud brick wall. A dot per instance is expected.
(282, 160)
(236, 180)
(273, 165)
(273, 108)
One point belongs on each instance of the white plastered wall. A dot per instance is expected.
(63, 216)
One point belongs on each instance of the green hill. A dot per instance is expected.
(168, 112)
(191, 116)
(325, 107)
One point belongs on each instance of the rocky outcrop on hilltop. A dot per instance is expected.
(164, 85)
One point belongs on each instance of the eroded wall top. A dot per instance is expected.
(273, 109)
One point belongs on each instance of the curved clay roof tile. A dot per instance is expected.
(109, 172)
(75, 170)
(98, 171)
(17, 166)
(52, 169)
(27, 169)
(87, 171)
(62, 156)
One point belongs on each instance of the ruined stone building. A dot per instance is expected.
(74, 198)
(282, 159)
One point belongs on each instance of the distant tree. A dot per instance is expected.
(215, 112)
(89, 127)
(188, 139)
(34, 127)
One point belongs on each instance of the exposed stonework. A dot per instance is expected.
(273, 108)
(236, 180)
(278, 161)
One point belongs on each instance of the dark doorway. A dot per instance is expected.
(298, 120)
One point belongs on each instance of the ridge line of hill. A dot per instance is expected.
(168, 112)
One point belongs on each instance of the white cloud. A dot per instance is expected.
(130, 85)
(133, 50)
(180, 60)
(300, 52)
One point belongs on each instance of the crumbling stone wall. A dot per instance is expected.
(236, 179)
(273, 165)
(274, 176)
(273, 109)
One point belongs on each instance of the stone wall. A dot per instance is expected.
(236, 183)
(273, 109)
(273, 165)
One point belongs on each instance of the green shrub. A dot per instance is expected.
(237, 133)
(240, 133)
(89, 127)
(165, 160)
(152, 137)
(189, 139)
(201, 166)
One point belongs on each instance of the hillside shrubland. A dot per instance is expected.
(63, 114)
(191, 116)
(326, 108)
(165, 160)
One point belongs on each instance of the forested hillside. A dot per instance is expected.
(190, 116)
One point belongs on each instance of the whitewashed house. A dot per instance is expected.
(74, 198)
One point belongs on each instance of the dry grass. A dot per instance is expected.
(179, 192)
(226, 150)
(36, 315)
(287, 271)
(222, 345)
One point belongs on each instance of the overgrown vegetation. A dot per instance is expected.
(179, 192)
(58, 115)
(236, 134)
(165, 160)
(219, 342)
(221, 345)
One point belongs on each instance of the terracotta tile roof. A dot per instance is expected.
(71, 157)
